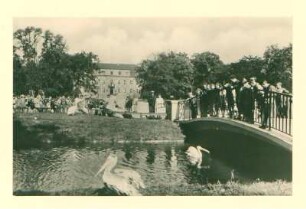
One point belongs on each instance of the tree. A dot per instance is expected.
(19, 77)
(82, 67)
(41, 62)
(168, 74)
(206, 66)
(278, 65)
(26, 44)
(247, 67)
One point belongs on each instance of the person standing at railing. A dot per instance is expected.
(281, 103)
(210, 100)
(246, 102)
(265, 104)
(236, 86)
(204, 100)
(192, 100)
(223, 102)
(198, 93)
(230, 98)
(255, 87)
(217, 98)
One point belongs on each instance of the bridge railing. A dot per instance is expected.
(280, 117)
(277, 111)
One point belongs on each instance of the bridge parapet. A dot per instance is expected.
(276, 110)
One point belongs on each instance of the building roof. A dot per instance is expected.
(113, 66)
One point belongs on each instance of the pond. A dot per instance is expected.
(70, 169)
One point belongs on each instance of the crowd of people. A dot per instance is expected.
(235, 99)
(238, 99)
(40, 103)
(62, 104)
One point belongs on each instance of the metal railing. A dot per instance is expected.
(275, 112)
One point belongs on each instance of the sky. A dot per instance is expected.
(130, 40)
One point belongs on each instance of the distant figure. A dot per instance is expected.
(151, 101)
(128, 104)
(160, 105)
(192, 100)
(230, 98)
(255, 97)
(194, 155)
(79, 106)
(246, 102)
(280, 101)
(80, 102)
(265, 106)
(121, 181)
(204, 103)
(111, 88)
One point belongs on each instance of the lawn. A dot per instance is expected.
(48, 127)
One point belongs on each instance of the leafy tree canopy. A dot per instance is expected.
(168, 74)
(41, 62)
(206, 67)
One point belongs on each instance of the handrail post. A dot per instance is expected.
(270, 94)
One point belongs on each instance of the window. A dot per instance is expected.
(119, 72)
(111, 72)
(124, 81)
(118, 90)
(118, 81)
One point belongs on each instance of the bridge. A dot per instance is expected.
(279, 122)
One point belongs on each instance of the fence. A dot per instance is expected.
(276, 111)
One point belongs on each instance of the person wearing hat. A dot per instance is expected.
(230, 96)
(245, 101)
(192, 100)
(255, 97)
(281, 106)
(204, 103)
(237, 86)
(265, 106)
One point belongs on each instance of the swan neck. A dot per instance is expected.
(199, 150)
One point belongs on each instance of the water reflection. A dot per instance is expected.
(128, 152)
(151, 155)
(71, 170)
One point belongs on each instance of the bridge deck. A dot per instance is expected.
(279, 137)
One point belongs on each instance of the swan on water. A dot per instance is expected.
(122, 181)
(194, 155)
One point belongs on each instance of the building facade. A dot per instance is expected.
(116, 79)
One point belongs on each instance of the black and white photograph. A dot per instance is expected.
(152, 106)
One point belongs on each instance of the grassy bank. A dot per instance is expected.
(277, 188)
(49, 127)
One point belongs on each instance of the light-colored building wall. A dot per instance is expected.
(124, 83)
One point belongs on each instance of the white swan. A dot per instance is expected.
(194, 155)
(122, 181)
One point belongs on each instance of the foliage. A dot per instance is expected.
(206, 67)
(278, 65)
(247, 67)
(168, 74)
(41, 61)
